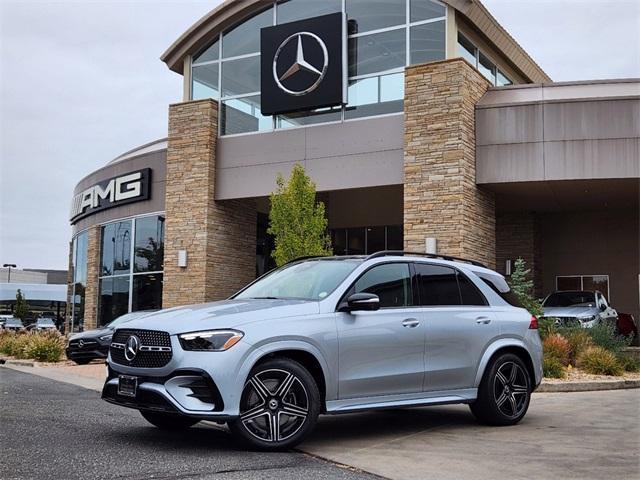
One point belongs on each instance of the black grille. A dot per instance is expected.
(144, 359)
(147, 337)
(86, 344)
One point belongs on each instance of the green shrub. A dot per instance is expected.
(629, 363)
(45, 347)
(605, 336)
(546, 326)
(556, 346)
(579, 340)
(522, 286)
(598, 361)
(553, 368)
(12, 343)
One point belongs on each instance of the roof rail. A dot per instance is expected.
(387, 253)
(299, 259)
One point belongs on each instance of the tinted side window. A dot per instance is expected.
(470, 293)
(390, 282)
(437, 285)
(501, 287)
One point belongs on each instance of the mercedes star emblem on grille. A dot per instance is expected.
(131, 348)
(300, 64)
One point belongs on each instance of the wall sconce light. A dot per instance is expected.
(507, 267)
(430, 245)
(182, 258)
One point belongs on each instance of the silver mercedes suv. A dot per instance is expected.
(332, 335)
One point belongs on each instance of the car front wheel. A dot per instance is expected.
(168, 421)
(279, 406)
(504, 393)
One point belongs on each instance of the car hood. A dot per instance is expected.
(91, 333)
(222, 314)
(573, 311)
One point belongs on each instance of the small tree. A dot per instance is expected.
(22, 307)
(522, 286)
(296, 220)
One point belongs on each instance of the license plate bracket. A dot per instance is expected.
(127, 385)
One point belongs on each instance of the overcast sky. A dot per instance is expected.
(81, 82)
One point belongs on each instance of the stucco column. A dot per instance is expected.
(441, 198)
(93, 272)
(219, 237)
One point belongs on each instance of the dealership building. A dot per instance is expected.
(424, 125)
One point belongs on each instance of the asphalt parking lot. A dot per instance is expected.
(57, 430)
(53, 430)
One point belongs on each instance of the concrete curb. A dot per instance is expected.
(587, 386)
(22, 363)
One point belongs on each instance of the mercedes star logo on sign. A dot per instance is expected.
(301, 65)
(131, 348)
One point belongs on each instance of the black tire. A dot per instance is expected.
(504, 393)
(82, 361)
(279, 406)
(168, 421)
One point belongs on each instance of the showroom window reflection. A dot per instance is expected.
(79, 264)
(384, 36)
(131, 267)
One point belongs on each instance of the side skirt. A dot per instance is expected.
(466, 395)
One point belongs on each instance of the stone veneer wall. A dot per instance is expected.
(518, 236)
(93, 272)
(219, 237)
(441, 198)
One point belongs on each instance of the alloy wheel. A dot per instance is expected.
(274, 405)
(511, 388)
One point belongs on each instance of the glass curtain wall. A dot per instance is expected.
(131, 267)
(79, 263)
(384, 36)
(366, 240)
(472, 54)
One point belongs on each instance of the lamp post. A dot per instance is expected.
(9, 266)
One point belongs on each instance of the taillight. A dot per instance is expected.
(533, 324)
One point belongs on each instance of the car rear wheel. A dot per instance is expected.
(504, 393)
(167, 421)
(279, 406)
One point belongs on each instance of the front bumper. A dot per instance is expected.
(223, 374)
(189, 392)
(74, 353)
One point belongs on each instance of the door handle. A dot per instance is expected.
(410, 323)
(483, 320)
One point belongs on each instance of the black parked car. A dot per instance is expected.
(92, 344)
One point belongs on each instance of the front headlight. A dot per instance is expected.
(210, 340)
(587, 319)
(106, 338)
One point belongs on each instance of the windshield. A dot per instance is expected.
(45, 321)
(14, 321)
(310, 280)
(127, 318)
(568, 299)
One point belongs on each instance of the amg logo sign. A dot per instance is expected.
(129, 188)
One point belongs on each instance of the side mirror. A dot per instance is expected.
(603, 307)
(362, 302)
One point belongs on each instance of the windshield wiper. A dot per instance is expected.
(266, 298)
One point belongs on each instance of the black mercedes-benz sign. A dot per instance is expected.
(301, 65)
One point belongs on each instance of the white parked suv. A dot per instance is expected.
(332, 335)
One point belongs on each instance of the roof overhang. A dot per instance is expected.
(230, 12)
